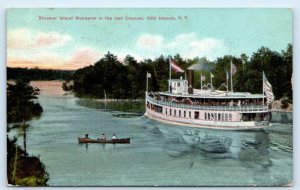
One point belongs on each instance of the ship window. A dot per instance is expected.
(215, 116)
(190, 114)
(166, 111)
(184, 114)
(205, 116)
(174, 112)
(226, 116)
(170, 113)
(196, 115)
(208, 116)
(219, 116)
(222, 118)
(230, 117)
(178, 84)
(179, 113)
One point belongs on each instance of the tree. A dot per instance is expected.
(127, 80)
(287, 71)
(20, 101)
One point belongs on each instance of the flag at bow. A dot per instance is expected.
(233, 68)
(202, 77)
(175, 67)
(267, 88)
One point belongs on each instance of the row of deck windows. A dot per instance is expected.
(184, 114)
(207, 116)
(218, 116)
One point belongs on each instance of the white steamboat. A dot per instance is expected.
(208, 108)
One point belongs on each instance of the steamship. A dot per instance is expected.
(209, 108)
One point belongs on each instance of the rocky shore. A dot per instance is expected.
(283, 105)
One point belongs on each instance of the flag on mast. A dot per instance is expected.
(175, 67)
(267, 88)
(211, 75)
(233, 68)
(202, 77)
(148, 75)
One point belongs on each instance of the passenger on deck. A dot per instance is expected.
(103, 137)
(114, 137)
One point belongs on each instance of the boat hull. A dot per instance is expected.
(233, 125)
(111, 141)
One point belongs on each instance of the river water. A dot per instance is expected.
(159, 154)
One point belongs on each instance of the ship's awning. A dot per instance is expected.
(216, 95)
(200, 67)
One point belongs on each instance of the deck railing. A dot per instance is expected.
(242, 108)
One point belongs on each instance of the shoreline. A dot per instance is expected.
(120, 100)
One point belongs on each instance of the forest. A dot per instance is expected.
(23, 169)
(38, 74)
(127, 79)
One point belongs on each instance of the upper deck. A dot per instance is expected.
(208, 94)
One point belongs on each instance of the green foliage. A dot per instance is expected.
(67, 86)
(128, 80)
(285, 103)
(20, 101)
(277, 67)
(22, 169)
(38, 74)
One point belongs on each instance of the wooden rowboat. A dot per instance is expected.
(111, 141)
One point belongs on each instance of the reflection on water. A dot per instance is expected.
(159, 154)
(137, 107)
(128, 115)
(256, 150)
(282, 117)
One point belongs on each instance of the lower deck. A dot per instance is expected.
(207, 118)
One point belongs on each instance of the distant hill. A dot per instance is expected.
(38, 74)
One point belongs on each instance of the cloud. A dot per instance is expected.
(23, 38)
(207, 47)
(83, 57)
(80, 57)
(50, 39)
(188, 45)
(28, 48)
(150, 41)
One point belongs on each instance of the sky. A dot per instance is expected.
(34, 40)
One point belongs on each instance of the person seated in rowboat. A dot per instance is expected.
(103, 137)
(87, 136)
(114, 137)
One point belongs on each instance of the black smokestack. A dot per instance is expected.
(191, 78)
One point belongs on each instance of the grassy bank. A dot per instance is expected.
(22, 169)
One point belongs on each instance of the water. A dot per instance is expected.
(158, 155)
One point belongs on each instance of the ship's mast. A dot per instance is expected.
(231, 85)
(201, 80)
(227, 80)
(170, 75)
(263, 91)
(170, 69)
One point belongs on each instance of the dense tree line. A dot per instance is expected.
(38, 74)
(128, 79)
(23, 169)
(20, 101)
